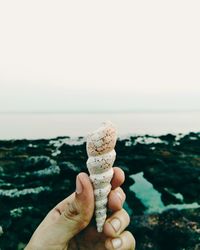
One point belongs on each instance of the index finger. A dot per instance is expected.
(118, 177)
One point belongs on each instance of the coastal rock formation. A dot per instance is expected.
(37, 174)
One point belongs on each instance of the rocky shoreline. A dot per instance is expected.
(34, 176)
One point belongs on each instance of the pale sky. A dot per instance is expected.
(99, 55)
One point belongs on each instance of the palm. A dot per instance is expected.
(88, 239)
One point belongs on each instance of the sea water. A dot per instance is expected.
(50, 125)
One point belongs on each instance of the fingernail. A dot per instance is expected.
(79, 187)
(116, 224)
(116, 243)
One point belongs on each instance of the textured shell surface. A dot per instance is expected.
(101, 156)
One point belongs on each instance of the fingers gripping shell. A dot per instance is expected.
(101, 156)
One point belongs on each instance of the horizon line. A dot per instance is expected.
(99, 111)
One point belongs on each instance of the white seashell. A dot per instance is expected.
(101, 153)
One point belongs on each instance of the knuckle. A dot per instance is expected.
(124, 195)
(122, 175)
(66, 215)
(130, 238)
(121, 192)
(126, 215)
(108, 244)
(83, 223)
(71, 211)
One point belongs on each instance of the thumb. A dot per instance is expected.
(79, 207)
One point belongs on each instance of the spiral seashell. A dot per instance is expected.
(100, 149)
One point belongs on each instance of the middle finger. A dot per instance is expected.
(116, 199)
(117, 223)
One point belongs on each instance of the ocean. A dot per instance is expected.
(51, 125)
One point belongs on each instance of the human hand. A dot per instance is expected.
(66, 226)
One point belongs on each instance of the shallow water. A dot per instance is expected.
(151, 198)
(36, 126)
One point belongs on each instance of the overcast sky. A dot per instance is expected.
(99, 55)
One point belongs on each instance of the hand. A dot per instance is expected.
(66, 226)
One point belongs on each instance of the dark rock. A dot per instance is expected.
(172, 230)
(37, 174)
(169, 198)
(70, 168)
(38, 162)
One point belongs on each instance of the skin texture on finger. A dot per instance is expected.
(117, 181)
(66, 219)
(58, 226)
(116, 199)
(125, 241)
(118, 177)
(116, 223)
(88, 191)
(78, 213)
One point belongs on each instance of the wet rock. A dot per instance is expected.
(38, 162)
(70, 168)
(169, 198)
(37, 174)
(15, 193)
(172, 230)
(53, 170)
